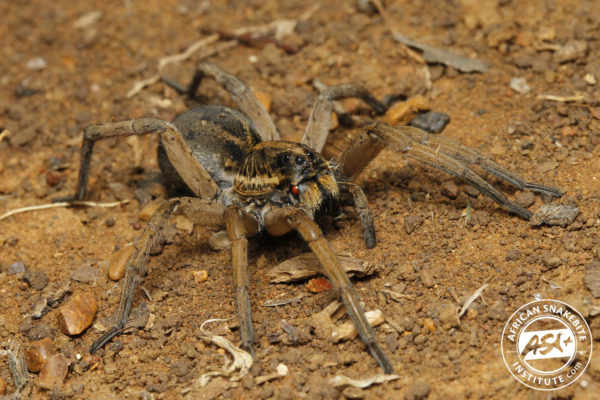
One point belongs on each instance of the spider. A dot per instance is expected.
(237, 172)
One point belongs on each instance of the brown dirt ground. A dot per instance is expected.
(89, 70)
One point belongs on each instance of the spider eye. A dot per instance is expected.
(300, 160)
(295, 190)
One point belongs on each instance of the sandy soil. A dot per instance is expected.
(61, 73)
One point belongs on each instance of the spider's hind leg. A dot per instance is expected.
(193, 174)
(200, 211)
(242, 95)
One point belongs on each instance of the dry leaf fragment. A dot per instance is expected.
(341, 380)
(307, 265)
(318, 285)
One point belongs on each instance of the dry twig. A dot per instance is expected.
(61, 204)
(341, 380)
(561, 99)
(139, 85)
(471, 299)
(431, 54)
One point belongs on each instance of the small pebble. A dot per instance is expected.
(519, 85)
(431, 121)
(352, 392)
(572, 50)
(36, 279)
(512, 255)
(429, 325)
(450, 190)
(449, 315)
(453, 354)
(199, 276)
(36, 64)
(412, 222)
(590, 79)
(53, 178)
(417, 391)
(282, 369)
(180, 368)
(367, 7)
(118, 261)
(86, 274)
(38, 353)
(87, 19)
(591, 278)
(347, 330)
(525, 199)
(110, 222)
(53, 372)
(16, 268)
(35, 331)
(427, 277)
(78, 314)
(219, 241)
(403, 112)
(551, 261)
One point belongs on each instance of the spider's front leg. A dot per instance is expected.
(240, 226)
(198, 210)
(282, 220)
(317, 127)
(438, 152)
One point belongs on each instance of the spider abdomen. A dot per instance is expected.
(218, 137)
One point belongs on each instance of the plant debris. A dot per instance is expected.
(341, 380)
(307, 265)
(282, 302)
(554, 214)
(242, 360)
(471, 299)
(61, 204)
(17, 364)
(51, 297)
(319, 285)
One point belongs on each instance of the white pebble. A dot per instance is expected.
(282, 369)
(590, 79)
(36, 63)
(519, 85)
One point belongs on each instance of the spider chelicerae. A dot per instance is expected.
(237, 173)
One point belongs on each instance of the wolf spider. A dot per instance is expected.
(238, 173)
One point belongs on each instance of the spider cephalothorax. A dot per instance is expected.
(241, 176)
(288, 172)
